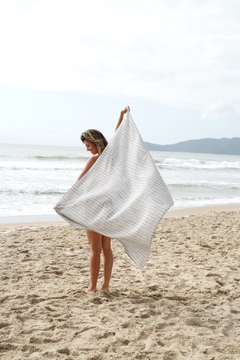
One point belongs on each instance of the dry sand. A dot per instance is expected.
(184, 304)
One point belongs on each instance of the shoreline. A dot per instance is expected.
(52, 220)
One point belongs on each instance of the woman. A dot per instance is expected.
(95, 142)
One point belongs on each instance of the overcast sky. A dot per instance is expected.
(67, 66)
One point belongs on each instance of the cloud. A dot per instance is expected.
(217, 109)
(182, 54)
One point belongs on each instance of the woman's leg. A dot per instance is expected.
(95, 242)
(107, 261)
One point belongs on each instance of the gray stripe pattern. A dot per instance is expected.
(122, 195)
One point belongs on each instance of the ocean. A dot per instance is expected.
(33, 178)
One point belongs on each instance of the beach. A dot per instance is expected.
(184, 304)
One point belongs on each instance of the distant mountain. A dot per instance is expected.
(207, 146)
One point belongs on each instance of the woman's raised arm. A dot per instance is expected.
(121, 116)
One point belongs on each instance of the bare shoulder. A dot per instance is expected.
(91, 161)
(88, 165)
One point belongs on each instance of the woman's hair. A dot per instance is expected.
(95, 137)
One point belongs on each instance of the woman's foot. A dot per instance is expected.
(90, 290)
(104, 288)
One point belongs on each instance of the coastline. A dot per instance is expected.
(55, 220)
(201, 210)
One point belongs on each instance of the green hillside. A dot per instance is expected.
(207, 146)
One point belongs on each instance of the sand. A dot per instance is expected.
(184, 304)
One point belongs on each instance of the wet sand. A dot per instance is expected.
(184, 304)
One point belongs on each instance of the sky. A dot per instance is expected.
(67, 66)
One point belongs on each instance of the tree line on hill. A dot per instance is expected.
(206, 146)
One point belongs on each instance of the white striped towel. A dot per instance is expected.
(122, 195)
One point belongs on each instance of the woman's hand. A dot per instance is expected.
(127, 108)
